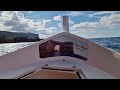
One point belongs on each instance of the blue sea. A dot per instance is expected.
(110, 42)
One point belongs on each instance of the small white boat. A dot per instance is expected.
(62, 56)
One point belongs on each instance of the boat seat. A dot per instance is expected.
(52, 74)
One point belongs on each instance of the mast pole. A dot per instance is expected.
(65, 24)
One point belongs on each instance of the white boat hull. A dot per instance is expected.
(101, 62)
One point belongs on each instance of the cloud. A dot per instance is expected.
(71, 22)
(110, 21)
(59, 25)
(46, 22)
(57, 18)
(84, 26)
(29, 11)
(8, 19)
(100, 13)
(48, 31)
(75, 13)
(105, 22)
(16, 21)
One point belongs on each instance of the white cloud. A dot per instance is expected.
(71, 22)
(98, 14)
(29, 11)
(59, 25)
(84, 26)
(75, 13)
(57, 18)
(15, 21)
(46, 22)
(48, 31)
(110, 21)
(106, 22)
(1, 12)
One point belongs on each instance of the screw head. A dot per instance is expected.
(74, 66)
(46, 64)
(64, 60)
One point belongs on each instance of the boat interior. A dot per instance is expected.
(53, 72)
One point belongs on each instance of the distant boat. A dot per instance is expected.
(62, 56)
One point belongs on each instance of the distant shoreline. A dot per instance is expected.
(16, 37)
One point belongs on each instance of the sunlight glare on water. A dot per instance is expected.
(11, 47)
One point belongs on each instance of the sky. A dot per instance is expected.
(87, 24)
